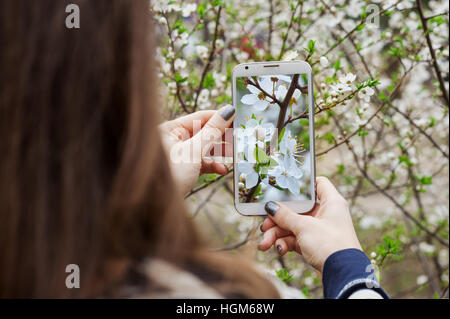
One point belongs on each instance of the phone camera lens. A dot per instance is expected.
(246, 67)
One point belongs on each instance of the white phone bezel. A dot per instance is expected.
(268, 68)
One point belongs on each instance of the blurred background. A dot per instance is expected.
(381, 82)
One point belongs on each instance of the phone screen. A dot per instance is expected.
(272, 141)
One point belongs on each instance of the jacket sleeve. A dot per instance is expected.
(347, 271)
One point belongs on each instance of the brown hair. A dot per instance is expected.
(83, 178)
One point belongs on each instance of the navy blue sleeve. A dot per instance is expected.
(347, 271)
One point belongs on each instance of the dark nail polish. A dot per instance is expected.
(271, 208)
(227, 112)
(261, 229)
(279, 248)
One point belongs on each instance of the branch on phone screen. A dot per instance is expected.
(251, 193)
(256, 85)
(284, 106)
(281, 118)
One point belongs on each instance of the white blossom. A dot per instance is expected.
(290, 55)
(180, 64)
(427, 248)
(188, 9)
(202, 51)
(287, 174)
(422, 279)
(366, 93)
(324, 61)
(347, 79)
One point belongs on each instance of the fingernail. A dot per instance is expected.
(271, 208)
(260, 228)
(279, 248)
(227, 112)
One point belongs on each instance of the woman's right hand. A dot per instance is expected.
(316, 235)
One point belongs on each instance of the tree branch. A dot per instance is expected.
(432, 53)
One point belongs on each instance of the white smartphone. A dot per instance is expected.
(273, 136)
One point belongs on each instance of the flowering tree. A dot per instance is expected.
(381, 117)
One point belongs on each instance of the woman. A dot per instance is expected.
(85, 179)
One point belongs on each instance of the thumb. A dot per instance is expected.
(213, 130)
(285, 218)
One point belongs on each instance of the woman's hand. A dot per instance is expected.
(191, 139)
(316, 235)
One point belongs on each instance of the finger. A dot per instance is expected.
(222, 149)
(217, 124)
(213, 130)
(333, 205)
(267, 223)
(193, 121)
(286, 218)
(271, 235)
(326, 189)
(285, 244)
(209, 166)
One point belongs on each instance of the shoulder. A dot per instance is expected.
(156, 278)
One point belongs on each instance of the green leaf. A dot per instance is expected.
(361, 132)
(337, 65)
(426, 180)
(209, 82)
(207, 178)
(304, 122)
(383, 97)
(360, 27)
(305, 292)
(405, 159)
(261, 156)
(311, 46)
(280, 137)
(258, 190)
(438, 20)
(201, 9)
(178, 78)
(272, 163)
(432, 122)
(284, 275)
(329, 137)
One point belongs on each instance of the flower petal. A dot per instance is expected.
(260, 105)
(284, 78)
(251, 180)
(281, 92)
(282, 181)
(296, 172)
(249, 99)
(293, 185)
(253, 89)
(245, 167)
(267, 85)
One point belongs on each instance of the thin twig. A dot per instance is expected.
(432, 53)
(209, 61)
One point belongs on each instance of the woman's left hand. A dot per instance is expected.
(190, 141)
